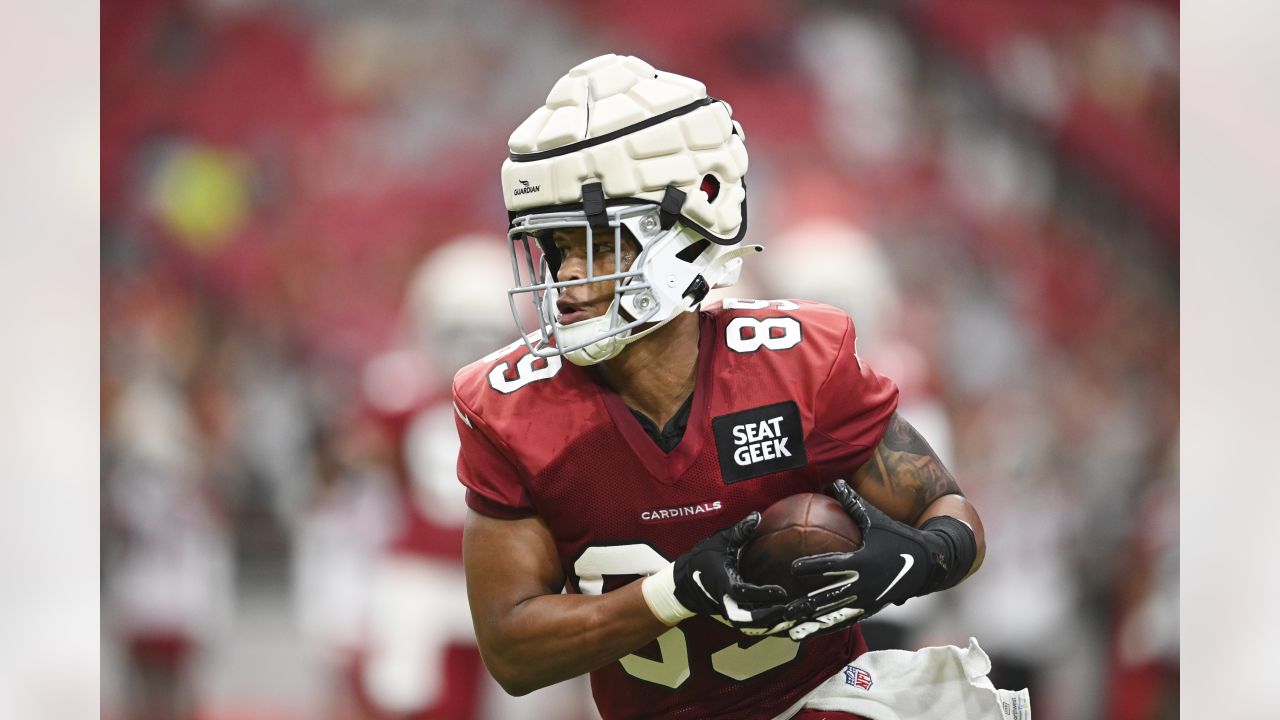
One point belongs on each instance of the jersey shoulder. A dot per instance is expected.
(493, 380)
(806, 353)
(512, 384)
(527, 408)
(810, 330)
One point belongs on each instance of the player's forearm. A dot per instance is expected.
(550, 638)
(958, 507)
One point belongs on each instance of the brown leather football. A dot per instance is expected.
(793, 527)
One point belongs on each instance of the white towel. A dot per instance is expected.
(934, 683)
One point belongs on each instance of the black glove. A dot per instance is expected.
(896, 562)
(706, 581)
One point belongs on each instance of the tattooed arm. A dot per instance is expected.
(905, 479)
(920, 535)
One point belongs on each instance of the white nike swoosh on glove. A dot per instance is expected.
(846, 577)
(697, 579)
(907, 562)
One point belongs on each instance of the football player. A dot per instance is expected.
(650, 452)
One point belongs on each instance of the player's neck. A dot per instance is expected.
(656, 373)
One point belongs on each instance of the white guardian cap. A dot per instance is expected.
(624, 149)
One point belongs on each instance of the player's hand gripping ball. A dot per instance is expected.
(805, 526)
(794, 527)
(897, 562)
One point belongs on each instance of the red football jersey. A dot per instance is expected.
(781, 405)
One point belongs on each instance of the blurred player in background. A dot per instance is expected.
(672, 421)
(418, 657)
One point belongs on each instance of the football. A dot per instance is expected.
(793, 527)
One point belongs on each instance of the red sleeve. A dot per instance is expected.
(495, 486)
(853, 408)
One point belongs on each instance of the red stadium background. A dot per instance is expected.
(991, 186)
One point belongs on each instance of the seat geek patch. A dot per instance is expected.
(759, 441)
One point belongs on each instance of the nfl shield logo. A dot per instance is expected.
(857, 677)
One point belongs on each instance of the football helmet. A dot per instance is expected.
(639, 154)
